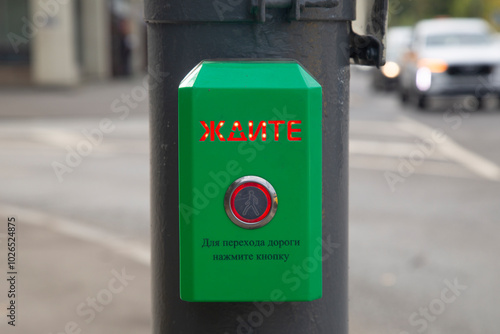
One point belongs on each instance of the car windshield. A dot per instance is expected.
(457, 39)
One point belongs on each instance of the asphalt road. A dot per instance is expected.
(424, 215)
(424, 195)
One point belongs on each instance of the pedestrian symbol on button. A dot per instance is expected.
(250, 202)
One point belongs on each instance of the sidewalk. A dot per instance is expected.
(90, 99)
(67, 282)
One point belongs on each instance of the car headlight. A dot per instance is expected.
(390, 69)
(434, 65)
(423, 80)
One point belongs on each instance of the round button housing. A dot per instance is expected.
(250, 202)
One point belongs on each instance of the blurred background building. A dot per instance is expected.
(65, 42)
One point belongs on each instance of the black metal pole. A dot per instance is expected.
(179, 37)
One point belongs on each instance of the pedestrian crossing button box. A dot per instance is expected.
(250, 182)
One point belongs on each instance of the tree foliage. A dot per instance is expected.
(408, 12)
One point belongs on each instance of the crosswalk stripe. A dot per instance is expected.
(386, 148)
(377, 128)
(470, 160)
(431, 168)
(447, 157)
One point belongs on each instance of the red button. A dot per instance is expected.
(251, 202)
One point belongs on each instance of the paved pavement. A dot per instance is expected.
(71, 277)
(82, 241)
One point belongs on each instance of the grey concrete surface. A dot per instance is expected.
(68, 285)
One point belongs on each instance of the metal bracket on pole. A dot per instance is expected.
(366, 50)
(190, 11)
(298, 8)
(367, 37)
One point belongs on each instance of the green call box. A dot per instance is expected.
(250, 182)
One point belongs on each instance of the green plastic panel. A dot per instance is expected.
(220, 261)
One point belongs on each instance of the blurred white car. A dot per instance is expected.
(398, 41)
(450, 56)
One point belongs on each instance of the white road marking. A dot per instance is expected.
(132, 250)
(58, 141)
(387, 148)
(431, 168)
(470, 160)
(55, 137)
(378, 128)
(447, 150)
